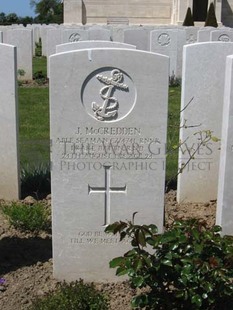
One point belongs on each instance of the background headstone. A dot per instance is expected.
(170, 43)
(203, 35)
(202, 108)
(9, 157)
(22, 39)
(74, 35)
(108, 131)
(224, 216)
(221, 35)
(101, 34)
(138, 37)
(191, 34)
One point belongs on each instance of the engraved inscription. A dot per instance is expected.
(191, 39)
(224, 38)
(109, 108)
(74, 37)
(97, 238)
(107, 190)
(164, 39)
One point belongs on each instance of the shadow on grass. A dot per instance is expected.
(19, 252)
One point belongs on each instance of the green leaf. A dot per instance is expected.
(196, 299)
(122, 235)
(141, 238)
(215, 139)
(116, 262)
(150, 241)
(167, 262)
(121, 271)
(138, 281)
(153, 229)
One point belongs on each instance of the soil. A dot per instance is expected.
(26, 259)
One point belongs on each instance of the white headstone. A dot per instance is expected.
(224, 216)
(169, 42)
(202, 108)
(53, 39)
(140, 37)
(43, 33)
(203, 35)
(22, 39)
(101, 34)
(221, 35)
(9, 158)
(108, 129)
(191, 34)
(74, 35)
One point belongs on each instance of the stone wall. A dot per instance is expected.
(101, 11)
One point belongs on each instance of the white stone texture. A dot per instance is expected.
(97, 33)
(203, 35)
(140, 37)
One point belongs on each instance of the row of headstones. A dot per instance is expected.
(163, 40)
(167, 40)
(108, 112)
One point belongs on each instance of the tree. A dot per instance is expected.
(2, 18)
(188, 21)
(49, 11)
(12, 18)
(211, 20)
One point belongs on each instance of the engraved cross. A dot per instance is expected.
(107, 190)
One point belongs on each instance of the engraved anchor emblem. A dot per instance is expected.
(110, 106)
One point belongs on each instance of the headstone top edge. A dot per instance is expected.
(117, 50)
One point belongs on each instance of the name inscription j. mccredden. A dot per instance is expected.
(121, 131)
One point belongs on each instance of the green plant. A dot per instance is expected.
(188, 21)
(211, 20)
(40, 77)
(76, 295)
(20, 72)
(174, 81)
(190, 266)
(25, 217)
(36, 182)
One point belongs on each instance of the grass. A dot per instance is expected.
(173, 134)
(76, 295)
(28, 218)
(34, 125)
(40, 64)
